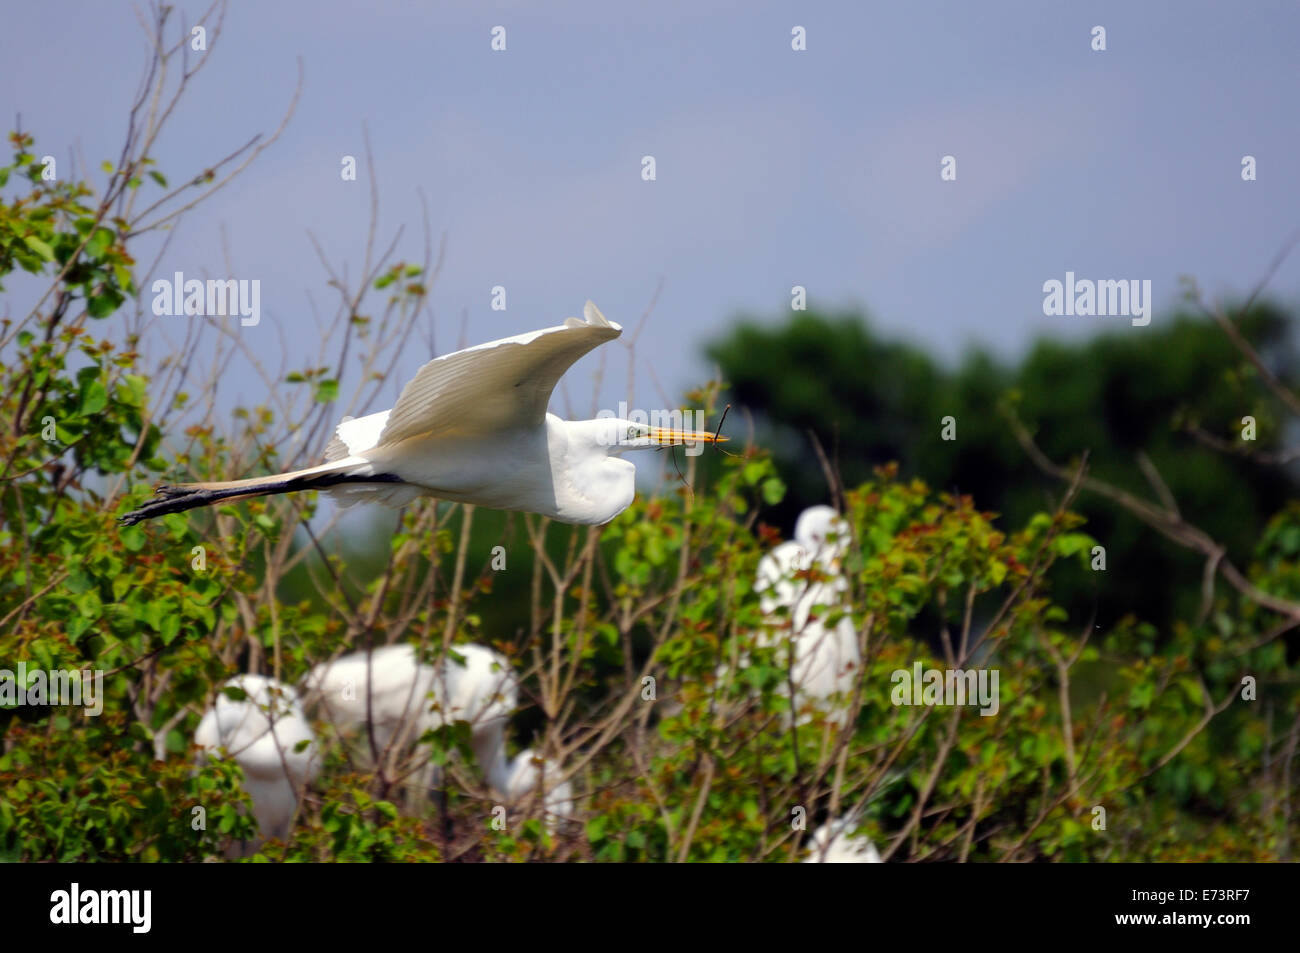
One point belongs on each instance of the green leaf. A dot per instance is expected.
(171, 627)
(151, 613)
(99, 242)
(133, 539)
(327, 391)
(28, 262)
(132, 390)
(94, 398)
(102, 305)
(89, 604)
(159, 178)
(1070, 543)
(177, 525)
(38, 246)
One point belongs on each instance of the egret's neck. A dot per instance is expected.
(592, 485)
(489, 744)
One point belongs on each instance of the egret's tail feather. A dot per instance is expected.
(393, 495)
(176, 498)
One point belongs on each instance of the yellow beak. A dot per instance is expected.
(672, 438)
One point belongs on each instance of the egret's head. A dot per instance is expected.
(619, 435)
(823, 532)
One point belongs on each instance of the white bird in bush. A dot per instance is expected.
(833, 844)
(472, 427)
(268, 736)
(477, 689)
(821, 537)
(515, 781)
(473, 683)
(399, 691)
(826, 659)
(409, 696)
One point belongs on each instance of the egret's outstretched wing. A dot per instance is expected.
(356, 435)
(495, 385)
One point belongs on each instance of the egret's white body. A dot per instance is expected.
(472, 427)
(262, 734)
(830, 658)
(833, 844)
(409, 697)
(514, 781)
(826, 657)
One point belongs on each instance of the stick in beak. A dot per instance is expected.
(671, 438)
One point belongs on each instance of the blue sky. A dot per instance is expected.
(774, 168)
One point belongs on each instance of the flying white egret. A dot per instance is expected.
(263, 734)
(409, 697)
(826, 657)
(833, 844)
(472, 427)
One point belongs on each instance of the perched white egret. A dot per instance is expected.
(833, 844)
(399, 687)
(528, 772)
(826, 657)
(515, 781)
(477, 693)
(399, 702)
(821, 539)
(263, 734)
(472, 427)
(408, 697)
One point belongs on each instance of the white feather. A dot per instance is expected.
(495, 386)
(833, 844)
(262, 734)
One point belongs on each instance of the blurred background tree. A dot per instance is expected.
(1129, 397)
